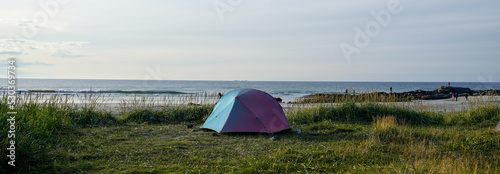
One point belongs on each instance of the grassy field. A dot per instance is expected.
(56, 136)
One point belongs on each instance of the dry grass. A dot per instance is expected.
(385, 123)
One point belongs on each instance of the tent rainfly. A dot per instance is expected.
(247, 110)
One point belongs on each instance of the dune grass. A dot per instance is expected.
(57, 136)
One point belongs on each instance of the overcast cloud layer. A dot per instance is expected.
(292, 40)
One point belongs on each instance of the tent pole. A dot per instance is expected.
(262, 124)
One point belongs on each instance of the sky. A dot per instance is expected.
(259, 40)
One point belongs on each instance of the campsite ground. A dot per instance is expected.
(337, 147)
(344, 138)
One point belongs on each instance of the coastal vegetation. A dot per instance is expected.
(56, 135)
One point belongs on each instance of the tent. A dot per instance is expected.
(247, 110)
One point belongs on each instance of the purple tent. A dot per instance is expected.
(247, 110)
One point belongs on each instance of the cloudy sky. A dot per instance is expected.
(285, 40)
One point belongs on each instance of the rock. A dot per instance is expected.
(190, 126)
(279, 100)
(194, 130)
(435, 97)
(299, 131)
(274, 138)
(449, 89)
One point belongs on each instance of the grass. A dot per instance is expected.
(57, 136)
(385, 123)
(363, 114)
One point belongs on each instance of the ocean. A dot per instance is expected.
(287, 90)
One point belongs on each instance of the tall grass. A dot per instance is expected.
(42, 119)
(362, 113)
(169, 115)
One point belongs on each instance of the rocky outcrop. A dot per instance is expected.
(443, 92)
(450, 90)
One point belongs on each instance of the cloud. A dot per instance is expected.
(25, 23)
(23, 46)
(66, 54)
(10, 53)
(35, 63)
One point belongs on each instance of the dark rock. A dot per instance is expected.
(194, 130)
(435, 97)
(379, 93)
(449, 89)
(279, 100)
(190, 126)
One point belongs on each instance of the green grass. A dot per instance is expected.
(57, 137)
(363, 113)
(169, 115)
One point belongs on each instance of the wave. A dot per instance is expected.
(51, 91)
(144, 92)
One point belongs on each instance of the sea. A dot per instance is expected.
(287, 90)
